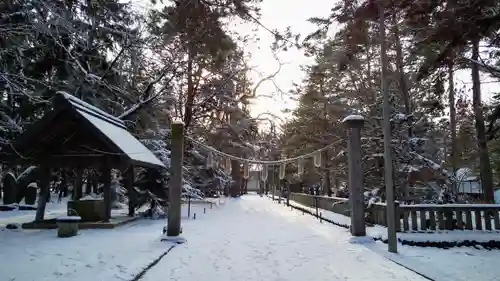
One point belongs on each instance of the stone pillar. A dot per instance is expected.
(354, 124)
(175, 188)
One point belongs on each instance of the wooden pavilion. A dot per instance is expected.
(78, 135)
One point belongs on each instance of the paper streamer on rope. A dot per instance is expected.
(263, 172)
(227, 165)
(282, 171)
(300, 167)
(246, 172)
(317, 160)
(210, 160)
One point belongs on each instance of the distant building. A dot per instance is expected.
(497, 195)
(253, 181)
(468, 184)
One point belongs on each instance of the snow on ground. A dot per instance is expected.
(111, 254)
(53, 209)
(378, 231)
(252, 238)
(464, 217)
(455, 264)
(338, 218)
(438, 236)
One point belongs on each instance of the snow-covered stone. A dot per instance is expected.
(353, 118)
(361, 240)
(174, 239)
(69, 218)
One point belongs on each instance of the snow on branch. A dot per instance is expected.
(490, 68)
(269, 77)
(433, 165)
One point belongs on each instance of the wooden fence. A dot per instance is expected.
(422, 217)
(333, 204)
(440, 217)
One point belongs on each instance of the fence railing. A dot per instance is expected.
(440, 217)
(333, 204)
(420, 217)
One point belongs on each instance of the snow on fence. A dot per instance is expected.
(334, 204)
(440, 217)
(420, 217)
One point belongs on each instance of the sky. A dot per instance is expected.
(275, 15)
(278, 15)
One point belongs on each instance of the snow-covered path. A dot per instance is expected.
(252, 238)
(94, 254)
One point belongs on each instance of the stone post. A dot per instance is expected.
(354, 124)
(175, 188)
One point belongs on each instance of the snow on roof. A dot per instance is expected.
(462, 173)
(353, 118)
(123, 139)
(78, 103)
(105, 126)
(115, 130)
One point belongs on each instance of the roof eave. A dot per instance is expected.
(144, 164)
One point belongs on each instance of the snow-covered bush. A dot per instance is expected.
(197, 178)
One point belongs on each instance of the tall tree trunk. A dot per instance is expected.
(95, 181)
(336, 183)
(133, 63)
(403, 87)
(63, 187)
(325, 157)
(188, 109)
(2, 174)
(235, 189)
(402, 79)
(453, 121)
(78, 185)
(328, 184)
(245, 187)
(484, 159)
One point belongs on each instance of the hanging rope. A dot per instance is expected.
(263, 173)
(300, 167)
(246, 172)
(227, 165)
(317, 159)
(269, 162)
(210, 160)
(282, 171)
